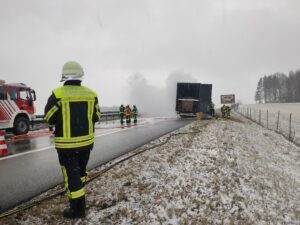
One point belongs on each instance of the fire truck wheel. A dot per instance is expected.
(21, 126)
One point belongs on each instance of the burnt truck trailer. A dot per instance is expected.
(192, 98)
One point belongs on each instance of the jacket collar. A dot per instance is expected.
(73, 82)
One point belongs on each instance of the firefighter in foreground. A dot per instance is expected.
(127, 113)
(121, 114)
(134, 113)
(73, 110)
(225, 109)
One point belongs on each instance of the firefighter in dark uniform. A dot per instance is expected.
(225, 109)
(127, 113)
(228, 110)
(73, 110)
(134, 113)
(122, 114)
(212, 109)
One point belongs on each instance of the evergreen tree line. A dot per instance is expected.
(278, 87)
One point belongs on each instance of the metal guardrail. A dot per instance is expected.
(111, 115)
(105, 116)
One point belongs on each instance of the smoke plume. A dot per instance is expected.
(155, 101)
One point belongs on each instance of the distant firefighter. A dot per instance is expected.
(122, 108)
(228, 110)
(134, 113)
(225, 109)
(212, 109)
(127, 113)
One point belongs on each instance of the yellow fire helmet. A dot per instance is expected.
(72, 71)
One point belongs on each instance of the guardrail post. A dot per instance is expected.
(278, 121)
(259, 117)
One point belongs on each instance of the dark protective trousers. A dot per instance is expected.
(73, 165)
(121, 118)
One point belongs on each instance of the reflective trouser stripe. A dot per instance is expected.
(76, 194)
(64, 171)
(50, 113)
(72, 194)
(74, 145)
(83, 179)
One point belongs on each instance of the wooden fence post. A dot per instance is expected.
(267, 119)
(290, 130)
(278, 121)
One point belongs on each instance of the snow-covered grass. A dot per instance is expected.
(222, 172)
(284, 109)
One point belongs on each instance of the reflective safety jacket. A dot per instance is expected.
(74, 110)
(127, 111)
(134, 111)
(121, 110)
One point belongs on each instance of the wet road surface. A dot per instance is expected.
(32, 166)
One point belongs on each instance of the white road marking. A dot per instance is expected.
(52, 146)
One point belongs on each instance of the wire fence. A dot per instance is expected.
(286, 124)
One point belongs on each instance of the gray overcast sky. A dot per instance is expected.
(229, 43)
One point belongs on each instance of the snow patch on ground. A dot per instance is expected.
(209, 172)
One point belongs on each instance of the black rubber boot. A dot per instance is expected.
(76, 210)
(81, 206)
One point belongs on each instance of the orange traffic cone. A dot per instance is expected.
(3, 146)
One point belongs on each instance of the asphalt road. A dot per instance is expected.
(33, 168)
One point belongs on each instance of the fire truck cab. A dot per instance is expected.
(16, 107)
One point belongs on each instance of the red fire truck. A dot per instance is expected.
(16, 107)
